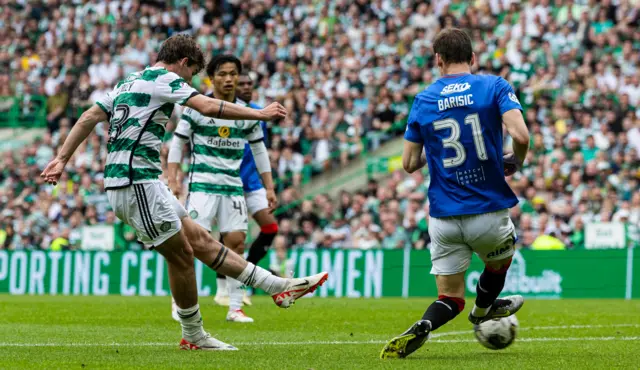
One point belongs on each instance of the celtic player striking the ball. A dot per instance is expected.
(137, 110)
(215, 186)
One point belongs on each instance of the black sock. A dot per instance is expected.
(260, 247)
(443, 310)
(489, 286)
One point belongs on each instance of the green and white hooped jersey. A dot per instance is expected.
(139, 107)
(217, 148)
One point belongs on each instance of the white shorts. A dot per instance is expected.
(256, 201)
(453, 240)
(150, 208)
(230, 212)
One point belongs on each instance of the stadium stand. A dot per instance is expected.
(347, 71)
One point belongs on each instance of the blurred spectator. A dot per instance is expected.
(290, 166)
(367, 234)
(347, 72)
(283, 266)
(394, 235)
(56, 107)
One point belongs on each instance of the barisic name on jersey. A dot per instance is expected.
(455, 101)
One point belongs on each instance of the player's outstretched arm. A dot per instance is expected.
(514, 122)
(221, 109)
(413, 157)
(80, 131)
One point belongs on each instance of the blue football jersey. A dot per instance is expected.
(251, 180)
(458, 119)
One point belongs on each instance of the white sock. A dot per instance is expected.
(236, 293)
(221, 287)
(479, 312)
(258, 277)
(191, 322)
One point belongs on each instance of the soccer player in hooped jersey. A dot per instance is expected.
(215, 187)
(455, 126)
(137, 110)
(255, 195)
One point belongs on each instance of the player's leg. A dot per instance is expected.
(490, 284)
(146, 208)
(218, 257)
(222, 291)
(493, 237)
(182, 280)
(233, 223)
(197, 225)
(203, 208)
(450, 259)
(450, 300)
(258, 208)
(234, 240)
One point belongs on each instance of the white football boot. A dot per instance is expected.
(238, 316)
(297, 288)
(206, 343)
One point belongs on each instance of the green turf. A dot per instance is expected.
(80, 332)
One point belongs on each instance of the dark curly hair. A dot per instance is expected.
(181, 46)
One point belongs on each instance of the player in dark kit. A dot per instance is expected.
(255, 195)
(455, 126)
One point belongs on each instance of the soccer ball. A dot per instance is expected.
(498, 333)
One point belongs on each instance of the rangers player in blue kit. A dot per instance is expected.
(456, 127)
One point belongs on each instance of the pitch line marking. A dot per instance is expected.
(558, 327)
(162, 344)
(435, 335)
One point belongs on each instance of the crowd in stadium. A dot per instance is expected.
(347, 71)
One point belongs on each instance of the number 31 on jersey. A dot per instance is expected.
(453, 141)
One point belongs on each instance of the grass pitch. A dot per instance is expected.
(133, 332)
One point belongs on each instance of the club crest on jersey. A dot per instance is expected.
(455, 88)
(239, 124)
(166, 226)
(514, 98)
(224, 132)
